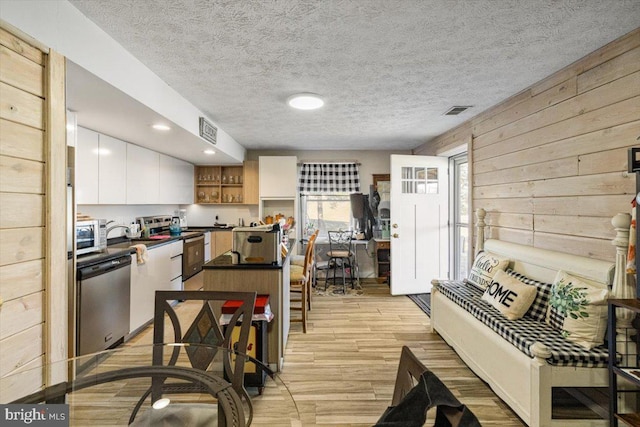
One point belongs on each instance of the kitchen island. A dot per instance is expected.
(220, 274)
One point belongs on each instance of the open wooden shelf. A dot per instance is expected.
(228, 185)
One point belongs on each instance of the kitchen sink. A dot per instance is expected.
(127, 243)
(122, 245)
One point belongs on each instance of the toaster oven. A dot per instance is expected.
(256, 245)
(91, 236)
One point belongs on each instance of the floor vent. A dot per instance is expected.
(454, 111)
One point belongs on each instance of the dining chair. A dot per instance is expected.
(341, 256)
(417, 390)
(300, 282)
(207, 334)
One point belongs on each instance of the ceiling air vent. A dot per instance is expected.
(208, 131)
(455, 110)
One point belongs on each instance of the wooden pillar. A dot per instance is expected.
(622, 289)
(480, 225)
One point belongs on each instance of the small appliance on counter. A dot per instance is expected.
(151, 225)
(174, 228)
(182, 215)
(91, 236)
(133, 231)
(256, 245)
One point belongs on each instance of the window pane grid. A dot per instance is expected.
(326, 212)
(419, 180)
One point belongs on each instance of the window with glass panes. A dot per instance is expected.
(460, 247)
(324, 195)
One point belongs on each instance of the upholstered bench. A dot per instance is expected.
(523, 333)
(522, 356)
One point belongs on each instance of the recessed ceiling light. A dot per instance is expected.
(209, 152)
(160, 126)
(305, 101)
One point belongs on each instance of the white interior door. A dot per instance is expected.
(419, 216)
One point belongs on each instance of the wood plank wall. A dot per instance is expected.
(23, 153)
(549, 164)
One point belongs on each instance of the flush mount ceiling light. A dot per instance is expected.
(209, 152)
(305, 101)
(160, 126)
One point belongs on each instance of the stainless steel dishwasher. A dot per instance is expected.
(103, 301)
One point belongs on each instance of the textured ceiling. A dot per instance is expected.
(388, 69)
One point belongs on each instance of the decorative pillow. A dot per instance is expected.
(509, 295)
(484, 268)
(579, 310)
(538, 310)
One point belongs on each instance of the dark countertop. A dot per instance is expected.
(205, 228)
(223, 262)
(121, 246)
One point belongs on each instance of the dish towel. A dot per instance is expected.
(141, 253)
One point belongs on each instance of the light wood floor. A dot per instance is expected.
(342, 371)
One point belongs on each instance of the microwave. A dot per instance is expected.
(91, 236)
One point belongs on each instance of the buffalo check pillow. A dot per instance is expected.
(485, 267)
(509, 295)
(578, 310)
(538, 310)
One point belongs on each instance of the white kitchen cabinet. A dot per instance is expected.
(278, 176)
(143, 175)
(207, 246)
(176, 177)
(161, 272)
(86, 178)
(175, 266)
(112, 171)
(144, 278)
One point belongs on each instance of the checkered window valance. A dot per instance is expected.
(329, 178)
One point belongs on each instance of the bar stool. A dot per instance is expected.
(299, 259)
(300, 282)
(341, 256)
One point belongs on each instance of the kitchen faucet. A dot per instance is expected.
(113, 227)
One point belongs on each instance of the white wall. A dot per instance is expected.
(124, 214)
(197, 215)
(371, 161)
(205, 215)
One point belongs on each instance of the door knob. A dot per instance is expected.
(395, 225)
(395, 235)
